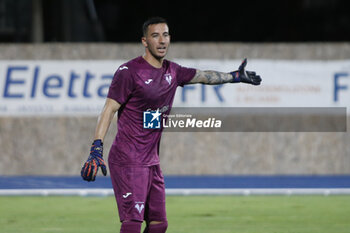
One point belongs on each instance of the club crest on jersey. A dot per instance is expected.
(168, 78)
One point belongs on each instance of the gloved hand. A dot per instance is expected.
(244, 76)
(95, 160)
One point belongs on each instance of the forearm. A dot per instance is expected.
(103, 124)
(105, 119)
(211, 77)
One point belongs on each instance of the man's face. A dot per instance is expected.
(157, 40)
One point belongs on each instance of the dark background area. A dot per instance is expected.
(121, 21)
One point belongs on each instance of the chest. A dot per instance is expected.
(155, 85)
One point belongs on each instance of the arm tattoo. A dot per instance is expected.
(211, 77)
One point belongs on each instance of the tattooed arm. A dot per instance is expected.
(211, 77)
(239, 76)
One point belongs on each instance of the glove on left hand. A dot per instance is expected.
(241, 75)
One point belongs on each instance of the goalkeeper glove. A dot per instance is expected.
(95, 160)
(243, 76)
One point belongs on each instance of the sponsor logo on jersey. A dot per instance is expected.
(148, 81)
(123, 68)
(161, 110)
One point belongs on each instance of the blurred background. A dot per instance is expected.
(26, 21)
(57, 58)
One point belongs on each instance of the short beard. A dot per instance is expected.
(156, 56)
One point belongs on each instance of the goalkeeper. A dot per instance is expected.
(145, 83)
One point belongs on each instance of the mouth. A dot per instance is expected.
(161, 49)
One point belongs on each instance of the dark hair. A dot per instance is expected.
(150, 21)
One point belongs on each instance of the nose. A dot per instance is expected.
(161, 39)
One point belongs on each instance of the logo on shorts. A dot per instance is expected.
(151, 119)
(139, 206)
(126, 195)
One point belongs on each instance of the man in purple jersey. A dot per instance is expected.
(145, 83)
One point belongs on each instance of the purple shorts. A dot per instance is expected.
(140, 192)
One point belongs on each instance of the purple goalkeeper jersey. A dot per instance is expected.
(140, 87)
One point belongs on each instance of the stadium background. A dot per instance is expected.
(300, 47)
(57, 144)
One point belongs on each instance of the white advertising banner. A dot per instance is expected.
(79, 87)
(284, 84)
(54, 87)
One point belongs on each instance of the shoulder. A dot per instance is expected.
(129, 66)
(176, 66)
(179, 69)
(171, 64)
(125, 73)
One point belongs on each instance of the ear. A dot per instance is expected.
(144, 42)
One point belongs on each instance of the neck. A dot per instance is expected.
(155, 62)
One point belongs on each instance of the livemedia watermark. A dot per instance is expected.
(157, 120)
(315, 119)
